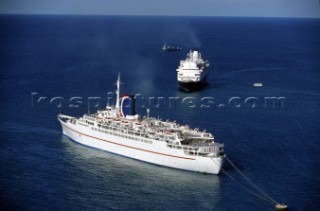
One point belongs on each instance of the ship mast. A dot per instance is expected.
(118, 92)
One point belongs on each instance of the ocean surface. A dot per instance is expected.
(68, 64)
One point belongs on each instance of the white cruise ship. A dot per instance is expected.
(120, 131)
(192, 72)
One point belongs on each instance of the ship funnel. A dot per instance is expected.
(195, 54)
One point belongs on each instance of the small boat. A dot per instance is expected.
(117, 120)
(138, 124)
(125, 123)
(281, 207)
(257, 84)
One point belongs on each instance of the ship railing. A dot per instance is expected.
(184, 147)
(126, 134)
(184, 78)
(209, 149)
(191, 150)
(90, 117)
(64, 118)
(214, 148)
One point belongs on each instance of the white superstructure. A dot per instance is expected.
(164, 143)
(192, 71)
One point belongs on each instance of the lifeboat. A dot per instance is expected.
(125, 123)
(137, 124)
(108, 119)
(116, 120)
(99, 119)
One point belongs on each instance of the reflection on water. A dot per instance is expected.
(117, 176)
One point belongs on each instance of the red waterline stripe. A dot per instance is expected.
(130, 146)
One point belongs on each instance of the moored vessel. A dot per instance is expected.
(119, 130)
(192, 72)
(258, 84)
(167, 47)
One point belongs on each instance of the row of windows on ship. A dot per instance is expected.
(122, 135)
(89, 123)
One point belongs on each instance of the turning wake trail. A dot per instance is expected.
(251, 70)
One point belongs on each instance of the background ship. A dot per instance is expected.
(192, 72)
(167, 47)
(120, 131)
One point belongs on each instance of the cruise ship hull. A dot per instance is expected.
(154, 152)
(193, 86)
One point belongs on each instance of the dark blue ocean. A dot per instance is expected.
(68, 64)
